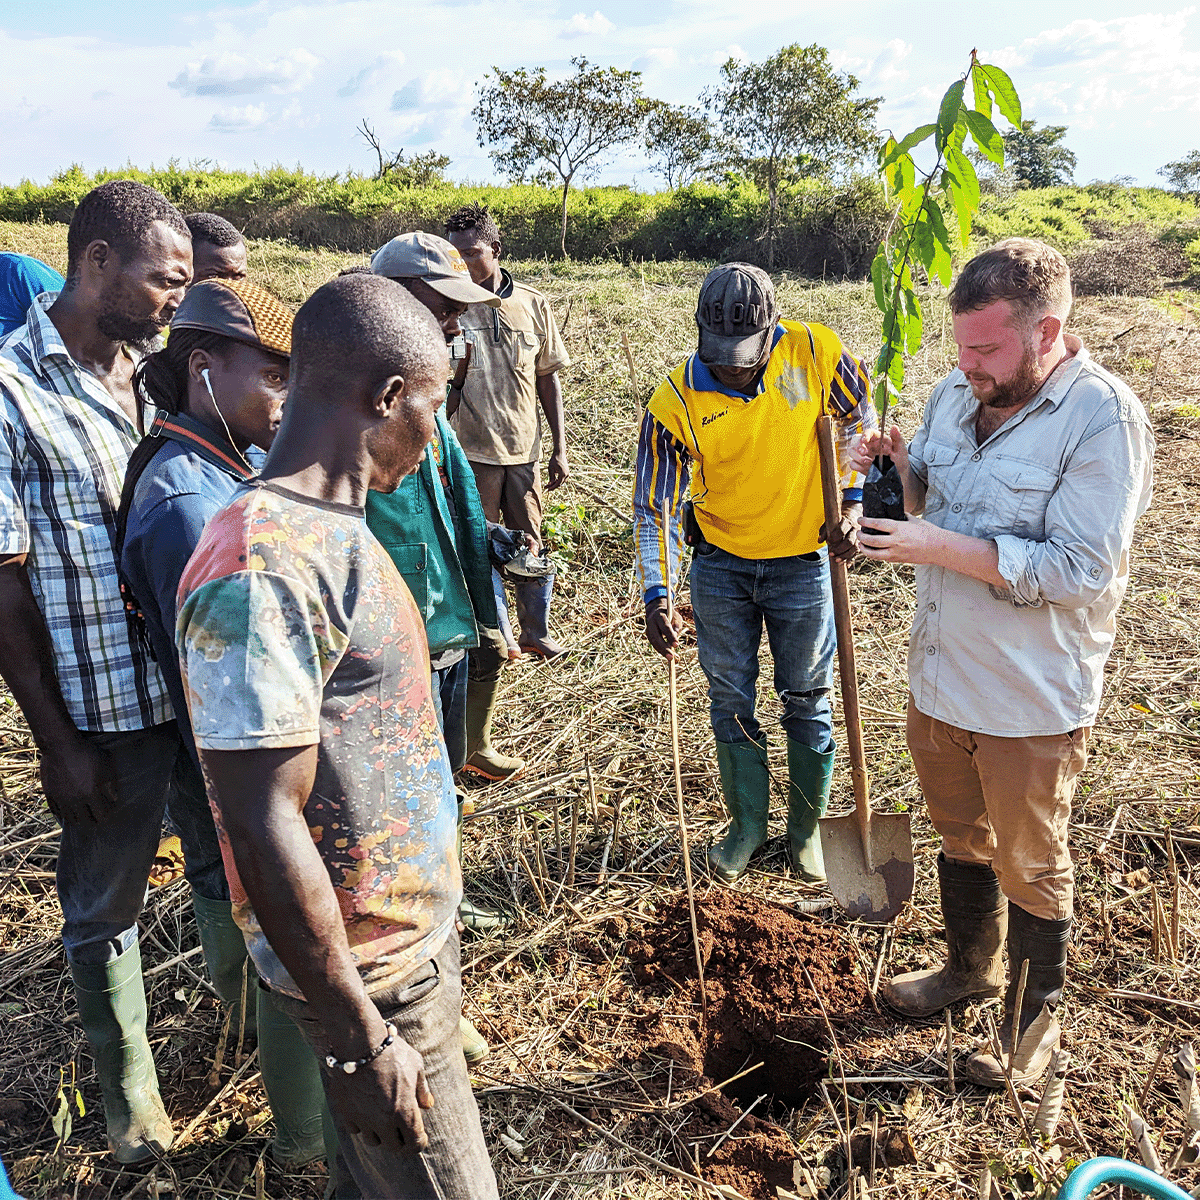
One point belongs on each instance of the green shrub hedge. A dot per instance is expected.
(823, 231)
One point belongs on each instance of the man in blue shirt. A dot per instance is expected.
(22, 280)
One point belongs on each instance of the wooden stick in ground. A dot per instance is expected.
(637, 391)
(837, 1055)
(950, 1051)
(1173, 870)
(673, 697)
(574, 837)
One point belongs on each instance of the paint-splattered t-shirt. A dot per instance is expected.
(295, 629)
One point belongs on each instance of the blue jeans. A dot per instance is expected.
(732, 599)
(450, 700)
(425, 1009)
(190, 816)
(102, 869)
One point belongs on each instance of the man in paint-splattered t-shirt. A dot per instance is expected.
(301, 631)
(307, 675)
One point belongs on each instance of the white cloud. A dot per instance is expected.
(718, 58)
(228, 74)
(239, 120)
(657, 57)
(887, 68)
(1145, 44)
(433, 91)
(371, 74)
(581, 25)
(31, 112)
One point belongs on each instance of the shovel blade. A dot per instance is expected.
(869, 895)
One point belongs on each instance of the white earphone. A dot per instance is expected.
(208, 384)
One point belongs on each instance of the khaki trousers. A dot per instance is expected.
(1003, 801)
(512, 496)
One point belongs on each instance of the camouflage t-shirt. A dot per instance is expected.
(295, 629)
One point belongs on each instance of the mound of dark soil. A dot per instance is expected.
(761, 1004)
(762, 965)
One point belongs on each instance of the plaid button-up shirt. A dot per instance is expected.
(64, 445)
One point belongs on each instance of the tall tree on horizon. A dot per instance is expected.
(1037, 157)
(790, 116)
(544, 127)
(679, 141)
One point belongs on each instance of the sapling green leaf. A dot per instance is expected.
(917, 242)
(985, 136)
(999, 84)
(948, 113)
(983, 99)
(893, 150)
(964, 168)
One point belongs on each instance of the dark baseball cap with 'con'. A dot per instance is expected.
(736, 315)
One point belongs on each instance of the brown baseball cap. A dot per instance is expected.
(736, 315)
(238, 310)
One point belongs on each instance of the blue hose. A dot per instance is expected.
(1088, 1176)
(6, 1192)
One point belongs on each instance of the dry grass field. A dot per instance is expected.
(596, 1085)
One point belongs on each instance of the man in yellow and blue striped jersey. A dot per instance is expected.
(738, 420)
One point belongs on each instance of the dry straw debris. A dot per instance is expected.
(582, 1095)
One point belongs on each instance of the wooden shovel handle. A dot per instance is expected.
(845, 631)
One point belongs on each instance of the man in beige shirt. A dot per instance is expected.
(496, 408)
(1023, 483)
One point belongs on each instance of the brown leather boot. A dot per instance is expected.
(976, 914)
(1044, 944)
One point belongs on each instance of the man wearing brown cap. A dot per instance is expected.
(738, 420)
(434, 529)
(219, 386)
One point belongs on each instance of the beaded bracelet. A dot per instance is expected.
(353, 1064)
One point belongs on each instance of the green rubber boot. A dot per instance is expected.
(292, 1080)
(746, 787)
(482, 758)
(810, 774)
(475, 1047)
(225, 958)
(112, 1010)
(475, 916)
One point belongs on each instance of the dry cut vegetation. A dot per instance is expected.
(603, 1078)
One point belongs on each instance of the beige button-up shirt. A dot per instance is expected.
(1058, 488)
(499, 419)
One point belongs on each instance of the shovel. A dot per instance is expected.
(868, 856)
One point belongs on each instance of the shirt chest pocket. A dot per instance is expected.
(943, 477)
(1019, 497)
(412, 561)
(516, 348)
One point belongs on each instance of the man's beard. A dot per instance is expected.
(140, 334)
(1018, 388)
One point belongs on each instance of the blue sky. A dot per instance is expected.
(103, 83)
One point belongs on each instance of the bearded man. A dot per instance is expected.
(1022, 486)
(95, 700)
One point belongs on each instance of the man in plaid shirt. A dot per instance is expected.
(94, 700)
